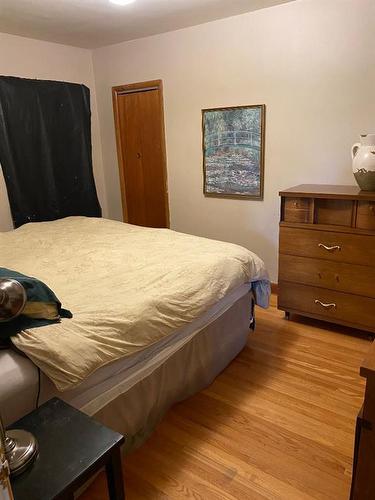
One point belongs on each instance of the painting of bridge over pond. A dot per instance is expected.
(233, 151)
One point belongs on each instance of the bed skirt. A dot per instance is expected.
(189, 370)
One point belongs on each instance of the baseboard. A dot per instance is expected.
(275, 288)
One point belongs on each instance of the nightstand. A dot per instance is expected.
(72, 448)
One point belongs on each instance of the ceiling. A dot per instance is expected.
(95, 23)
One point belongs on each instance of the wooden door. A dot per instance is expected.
(139, 122)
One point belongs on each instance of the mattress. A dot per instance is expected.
(19, 376)
(128, 287)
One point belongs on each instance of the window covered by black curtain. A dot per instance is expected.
(45, 149)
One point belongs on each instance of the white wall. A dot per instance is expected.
(35, 59)
(312, 62)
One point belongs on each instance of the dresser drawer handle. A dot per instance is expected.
(329, 249)
(326, 306)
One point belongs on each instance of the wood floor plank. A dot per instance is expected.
(276, 437)
(288, 418)
(323, 396)
(218, 449)
(304, 367)
(278, 423)
(270, 467)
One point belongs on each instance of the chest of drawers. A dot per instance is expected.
(327, 254)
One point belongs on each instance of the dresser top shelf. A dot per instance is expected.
(328, 191)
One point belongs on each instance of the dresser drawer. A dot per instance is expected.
(334, 212)
(298, 210)
(350, 278)
(366, 215)
(338, 247)
(328, 304)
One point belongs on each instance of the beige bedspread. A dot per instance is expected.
(127, 287)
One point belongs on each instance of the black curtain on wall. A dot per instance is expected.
(45, 149)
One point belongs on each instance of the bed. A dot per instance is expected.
(157, 315)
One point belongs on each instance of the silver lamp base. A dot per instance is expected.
(21, 449)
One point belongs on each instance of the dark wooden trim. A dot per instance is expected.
(328, 191)
(364, 459)
(354, 214)
(115, 480)
(262, 154)
(120, 158)
(328, 228)
(139, 87)
(355, 326)
(275, 288)
(368, 364)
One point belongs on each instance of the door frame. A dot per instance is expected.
(132, 88)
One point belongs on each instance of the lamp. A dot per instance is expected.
(5, 487)
(12, 299)
(20, 446)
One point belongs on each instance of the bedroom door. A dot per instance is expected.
(139, 122)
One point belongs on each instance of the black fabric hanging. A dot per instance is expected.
(45, 149)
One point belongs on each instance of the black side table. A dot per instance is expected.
(72, 448)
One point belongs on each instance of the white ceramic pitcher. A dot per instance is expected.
(363, 155)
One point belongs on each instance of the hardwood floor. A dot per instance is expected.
(278, 423)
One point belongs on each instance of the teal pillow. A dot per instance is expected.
(42, 306)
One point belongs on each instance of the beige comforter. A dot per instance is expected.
(127, 287)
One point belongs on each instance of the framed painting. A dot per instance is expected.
(233, 151)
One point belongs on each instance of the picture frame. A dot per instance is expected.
(233, 144)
